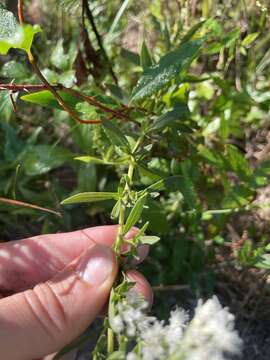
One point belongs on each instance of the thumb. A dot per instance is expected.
(40, 321)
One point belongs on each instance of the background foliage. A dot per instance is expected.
(207, 103)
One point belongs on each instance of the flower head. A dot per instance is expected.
(208, 336)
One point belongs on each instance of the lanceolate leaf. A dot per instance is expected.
(171, 182)
(115, 135)
(145, 57)
(45, 98)
(88, 197)
(149, 240)
(179, 112)
(156, 77)
(135, 213)
(95, 160)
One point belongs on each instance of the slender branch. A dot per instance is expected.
(20, 11)
(24, 204)
(46, 83)
(121, 113)
(120, 236)
(98, 37)
(92, 101)
(26, 87)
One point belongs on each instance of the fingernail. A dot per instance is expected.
(96, 265)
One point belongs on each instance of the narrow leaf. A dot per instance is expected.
(135, 213)
(88, 197)
(171, 183)
(156, 77)
(95, 160)
(145, 57)
(45, 98)
(114, 134)
(179, 112)
(118, 16)
(249, 39)
(130, 56)
(149, 240)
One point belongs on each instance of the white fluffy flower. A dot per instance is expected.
(208, 336)
(131, 318)
(211, 333)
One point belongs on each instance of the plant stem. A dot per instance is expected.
(110, 342)
(99, 40)
(42, 78)
(120, 237)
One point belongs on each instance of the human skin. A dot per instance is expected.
(53, 286)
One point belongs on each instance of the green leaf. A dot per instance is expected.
(118, 16)
(95, 160)
(171, 183)
(88, 197)
(15, 70)
(135, 213)
(145, 57)
(169, 66)
(149, 240)
(267, 247)
(237, 162)
(41, 159)
(237, 196)
(45, 98)
(193, 31)
(187, 187)
(249, 39)
(264, 262)
(116, 210)
(13, 35)
(117, 93)
(179, 112)
(130, 56)
(114, 134)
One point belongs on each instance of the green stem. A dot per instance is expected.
(120, 236)
(122, 343)
(110, 342)
(131, 167)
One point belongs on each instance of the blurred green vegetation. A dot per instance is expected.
(212, 121)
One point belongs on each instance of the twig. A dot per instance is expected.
(20, 11)
(26, 87)
(24, 204)
(98, 37)
(46, 83)
(121, 113)
(92, 101)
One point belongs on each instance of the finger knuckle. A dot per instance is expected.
(47, 308)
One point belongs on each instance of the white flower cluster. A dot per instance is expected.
(208, 336)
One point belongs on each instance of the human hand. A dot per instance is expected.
(54, 286)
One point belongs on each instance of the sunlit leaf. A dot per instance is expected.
(149, 240)
(13, 35)
(115, 135)
(135, 213)
(88, 197)
(47, 99)
(156, 77)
